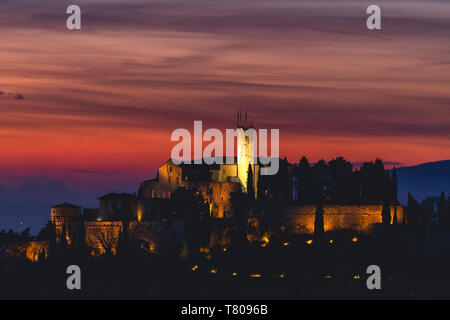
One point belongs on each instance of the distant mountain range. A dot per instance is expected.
(423, 180)
(43, 189)
(29, 205)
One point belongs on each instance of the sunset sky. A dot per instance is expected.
(100, 104)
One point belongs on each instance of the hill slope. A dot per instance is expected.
(427, 179)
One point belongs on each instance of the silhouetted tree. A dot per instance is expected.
(62, 241)
(239, 204)
(318, 221)
(250, 186)
(394, 185)
(79, 246)
(395, 219)
(342, 183)
(386, 213)
(322, 182)
(194, 209)
(443, 210)
(123, 242)
(374, 182)
(416, 214)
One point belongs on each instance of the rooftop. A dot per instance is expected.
(66, 205)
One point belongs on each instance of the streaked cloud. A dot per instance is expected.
(140, 69)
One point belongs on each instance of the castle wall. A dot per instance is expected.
(102, 236)
(226, 171)
(361, 218)
(170, 173)
(218, 194)
(169, 180)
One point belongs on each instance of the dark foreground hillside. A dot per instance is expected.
(334, 266)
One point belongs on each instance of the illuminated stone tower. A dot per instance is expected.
(246, 149)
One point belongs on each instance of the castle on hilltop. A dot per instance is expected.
(345, 198)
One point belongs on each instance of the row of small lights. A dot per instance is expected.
(258, 275)
(310, 241)
(282, 275)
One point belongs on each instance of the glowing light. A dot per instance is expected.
(355, 239)
(234, 274)
(213, 271)
(265, 239)
(206, 252)
(286, 244)
(356, 277)
(309, 241)
(282, 275)
(328, 276)
(255, 275)
(331, 241)
(194, 268)
(224, 249)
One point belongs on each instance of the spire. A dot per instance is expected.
(237, 117)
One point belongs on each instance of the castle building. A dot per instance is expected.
(64, 213)
(294, 198)
(216, 182)
(117, 206)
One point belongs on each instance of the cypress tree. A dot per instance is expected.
(443, 210)
(394, 219)
(250, 186)
(62, 243)
(386, 213)
(394, 185)
(52, 235)
(318, 220)
(412, 214)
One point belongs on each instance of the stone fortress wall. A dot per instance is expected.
(360, 218)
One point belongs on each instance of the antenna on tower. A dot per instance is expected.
(237, 117)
